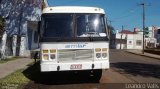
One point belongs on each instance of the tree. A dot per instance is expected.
(1, 26)
(44, 3)
(111, 36)
(16, 14)
(111, 30)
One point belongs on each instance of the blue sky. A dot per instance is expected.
(121, 12)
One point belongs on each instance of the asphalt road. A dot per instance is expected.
(125, 68)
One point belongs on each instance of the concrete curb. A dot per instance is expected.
(158, 58)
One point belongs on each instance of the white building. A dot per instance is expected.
(158, 36)
(151, 37)
(120, 41)
(134, 41)
(129, 40)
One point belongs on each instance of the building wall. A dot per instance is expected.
(118, 36)
(123, 46)
(133, 41)
(130, 42)
(158, 36)
(138, 39)
(120, 45)
(152, 37)
(150, 42)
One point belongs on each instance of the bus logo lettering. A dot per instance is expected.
(75, 46)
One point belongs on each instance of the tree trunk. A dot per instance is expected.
(3, 45)
(18, 45)
(14, 44)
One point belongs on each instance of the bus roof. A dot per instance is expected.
(73, 9)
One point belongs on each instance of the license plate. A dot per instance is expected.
(76, 66)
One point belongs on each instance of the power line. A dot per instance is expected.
(127, 15)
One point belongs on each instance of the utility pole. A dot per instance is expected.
(121, 37)
(143, 7)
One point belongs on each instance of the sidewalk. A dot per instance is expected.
(139, 52)
(11, 66)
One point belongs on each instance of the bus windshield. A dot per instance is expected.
(58, 25)
(90, 25)
(74, 25)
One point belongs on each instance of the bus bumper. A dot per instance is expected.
(47, 67)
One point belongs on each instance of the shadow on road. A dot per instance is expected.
(55, 78)
(147, 70)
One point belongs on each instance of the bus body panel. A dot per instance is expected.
(46, 67)
(73, 9)
(82, 55)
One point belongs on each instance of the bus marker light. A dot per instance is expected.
(98, 49)
(104, 49)
(45, 51)
(53, 51)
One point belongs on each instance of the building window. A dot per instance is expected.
(130, 42)
(138, 42)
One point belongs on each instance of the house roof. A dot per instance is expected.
(126, 32)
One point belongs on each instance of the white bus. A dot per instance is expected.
(74, 38)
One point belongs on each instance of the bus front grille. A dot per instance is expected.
(75, 55)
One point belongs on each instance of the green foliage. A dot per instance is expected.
(146, 31)
(15, 80)
(111, 29)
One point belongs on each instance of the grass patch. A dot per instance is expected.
(15, 80)
(7, 60)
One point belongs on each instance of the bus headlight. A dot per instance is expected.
(104, 55)
(101, 53)
(53, 56)
(45, 57)
(45, 51)
(98, 55)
